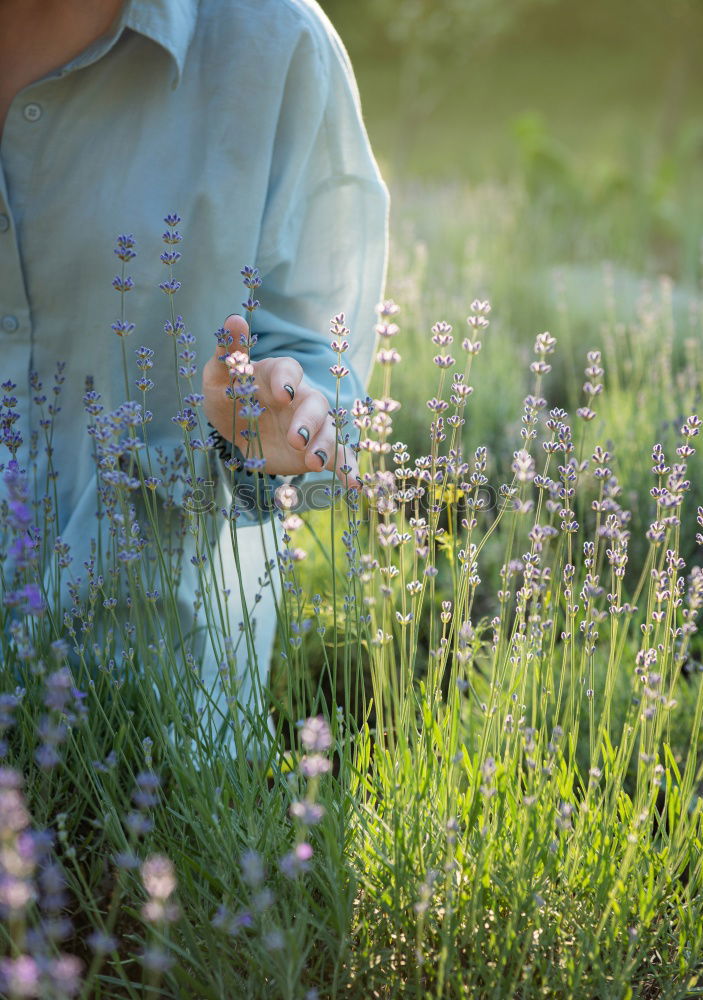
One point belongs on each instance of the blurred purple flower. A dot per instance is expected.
(127, 860)
(156, 960)
(47, 757)
(296, 861)
(314, 765)
(315, 735)
(159, 876)
(101, 943)
(8, 704)
(20, 977)
(59, 685)
(252, 868)
(28, 600)
(10, 778)
(138, 824)
(309, 813)
(16, 892)
(13, 812)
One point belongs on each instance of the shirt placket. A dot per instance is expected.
(15, 322)
(21, 141)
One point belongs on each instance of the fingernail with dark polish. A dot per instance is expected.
(290, 390)
(322, 455)
(305, 434)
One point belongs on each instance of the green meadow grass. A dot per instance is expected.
(510, 787)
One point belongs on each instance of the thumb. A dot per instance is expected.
(238, 328)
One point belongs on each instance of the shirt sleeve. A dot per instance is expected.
(323, 240)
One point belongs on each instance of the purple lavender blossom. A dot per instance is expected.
(156, 960)
(186, 419)
(65, 975)
(138, 824)
(308, 813)
(122, 285)
(125, 248)
(315, 735)
(20, 977)
(251, 276)
(101, 943)
(314, 765)
(252, 868)
(127, 860)
(296, 861)
(13, 812)
(27, 600)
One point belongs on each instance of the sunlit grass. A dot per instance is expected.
(510, 781)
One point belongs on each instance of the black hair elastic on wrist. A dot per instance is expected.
(228, 451)
(223, 447)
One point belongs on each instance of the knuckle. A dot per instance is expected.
(320, 401)
(290, 365)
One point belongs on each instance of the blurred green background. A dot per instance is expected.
(596, 108)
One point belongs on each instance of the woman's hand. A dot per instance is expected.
(296, 433)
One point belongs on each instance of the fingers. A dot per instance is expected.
(237, 326)
(324, 452)
(312, 431)
(216, 378)
(320, 451)
(308, 417)
(284, 378)
(295, 413)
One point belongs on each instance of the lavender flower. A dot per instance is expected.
(65, 975)
(20, 977)
(252, 868)
(101, 943)
(122, 285)
(27, 600)
(307, 813)
(251, 276)
(125, 248)
(158, 876)
(314, 765)
(315, 735)
(296, 861)
(157, 960)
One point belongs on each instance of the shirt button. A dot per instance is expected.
(32, 112)
(10, 323)
(4, 223)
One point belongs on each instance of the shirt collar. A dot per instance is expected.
(169, 23)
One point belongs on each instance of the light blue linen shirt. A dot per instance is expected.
(243, 117)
